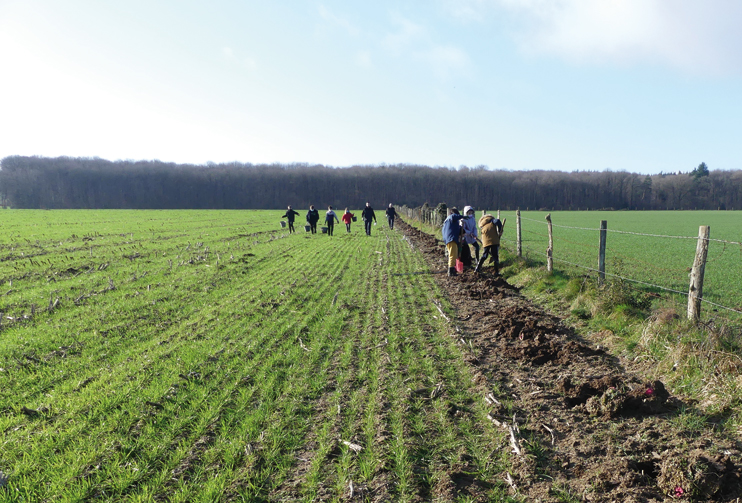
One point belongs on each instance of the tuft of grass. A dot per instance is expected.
(690, 420)
(564, 494)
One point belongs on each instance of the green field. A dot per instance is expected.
(211, 356)
(661, 261)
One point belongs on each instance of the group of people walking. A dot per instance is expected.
(459, 231)
(367, 215)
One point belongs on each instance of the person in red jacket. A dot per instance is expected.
(347, 218)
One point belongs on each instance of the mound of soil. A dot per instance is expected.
(595, 430)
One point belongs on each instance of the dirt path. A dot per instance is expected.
(588, 428)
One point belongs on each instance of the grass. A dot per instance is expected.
(211, 356)
(665, 262)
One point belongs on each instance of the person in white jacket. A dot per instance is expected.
(469, 224)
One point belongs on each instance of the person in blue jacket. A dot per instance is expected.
(330, 219)
(451, 231)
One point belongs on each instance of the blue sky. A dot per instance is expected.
(635, 85)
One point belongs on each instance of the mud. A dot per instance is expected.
(591, 427)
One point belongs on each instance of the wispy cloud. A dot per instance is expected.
(337, 20)
(467, 10)
(246, 62)
(407, 34)
(415, 40)
(694, 36)
(363, 59)
(446, 60)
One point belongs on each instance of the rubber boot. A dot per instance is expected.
(479, 264)
(452, 271)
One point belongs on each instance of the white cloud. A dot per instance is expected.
(446, 59)
(363, 59)
(408, 33)
(245, 62)
(415, 40)
(694, 36)
(467, 10)
(343, 23)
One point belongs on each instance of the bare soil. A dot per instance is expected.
(590, 427)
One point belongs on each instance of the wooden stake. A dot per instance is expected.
(601, 252)
(518, 243)
(550, 249)
(695, 291)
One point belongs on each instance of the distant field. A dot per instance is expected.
(211, 356)
(657, 260)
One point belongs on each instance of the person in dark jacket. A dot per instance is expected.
(391, 214)
(312, 219)
(367, 215)
(330, 219)
(451, 231)
(290, 215)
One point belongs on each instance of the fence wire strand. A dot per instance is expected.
(556, 259)
(633, 233)
(739, 311)
(594, 247)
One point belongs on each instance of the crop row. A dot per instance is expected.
(215, 358)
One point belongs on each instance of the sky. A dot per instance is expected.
(643, 86)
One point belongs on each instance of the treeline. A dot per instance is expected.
(66, 182)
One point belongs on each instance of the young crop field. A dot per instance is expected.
(638, 248)
(213, 356)
(189, 356)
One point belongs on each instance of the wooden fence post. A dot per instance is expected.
(550, 249)
(498, 214)
(601, 253)
(695, 292)
(518, 245)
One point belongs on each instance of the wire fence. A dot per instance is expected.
(658, 262)
(635, 233)
(647, 259)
